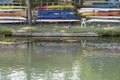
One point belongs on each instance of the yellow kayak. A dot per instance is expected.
(14, 7)
(88, 13)
(65, 6)
(55, 7)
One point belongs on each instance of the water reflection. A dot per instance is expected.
(83, 60)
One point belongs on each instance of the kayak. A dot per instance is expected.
(97, 9)
(10, 14)
(87, 13)
(107, 13)
(103, 5)
(13, 7)
(12, 18)
(101, 13)
(12, 21)
(55, 7)
(17, 13)
(103, 20)
(10, 10)
(57, 20)
(56, 16)
(53, 10)
(104, 17)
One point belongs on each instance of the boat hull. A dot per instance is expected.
(57, 20)
(56, 16)
(12, 18)
(87, 13)
(16, 13)
(97, 9)
(13, 7)
(53, 10)
(103, 20)
(55, 7)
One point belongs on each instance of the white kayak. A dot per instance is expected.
(104, 17)
(97, 9)
(12, 21)
(9, 10)
(57, 20)
(103, 20)
(12, 18)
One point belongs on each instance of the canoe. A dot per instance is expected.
(107, 13)
(87, 13)
(13, 7)
(104, 17)
(56, 16)
(55, 7)
(53, 10)
(12, 18)
(103, 20)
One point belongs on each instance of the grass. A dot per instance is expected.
(6, 31)
(104, 31)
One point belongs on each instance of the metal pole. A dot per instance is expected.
(29, 12)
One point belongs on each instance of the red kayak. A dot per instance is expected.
(107, 13)
(40, 7)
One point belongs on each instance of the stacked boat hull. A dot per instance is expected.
(101, 12)
(12, 14)
(57, 12)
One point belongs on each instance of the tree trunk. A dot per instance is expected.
(29, 15)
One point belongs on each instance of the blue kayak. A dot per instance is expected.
(56, 16)
(102, 5)
(54, 10)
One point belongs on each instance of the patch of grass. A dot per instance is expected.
(103, 31)
(6, 31)
(110, 31)
(7, 39)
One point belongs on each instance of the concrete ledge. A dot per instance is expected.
(56, 34)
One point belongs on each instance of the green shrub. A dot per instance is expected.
(109, 32)
(6, 31)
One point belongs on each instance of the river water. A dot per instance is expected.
(85, 59)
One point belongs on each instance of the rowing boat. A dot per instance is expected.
(55, 7)
(13, 7)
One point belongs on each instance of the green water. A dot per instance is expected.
(83, 60)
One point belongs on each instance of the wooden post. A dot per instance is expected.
(81, 2)
(29, 13)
